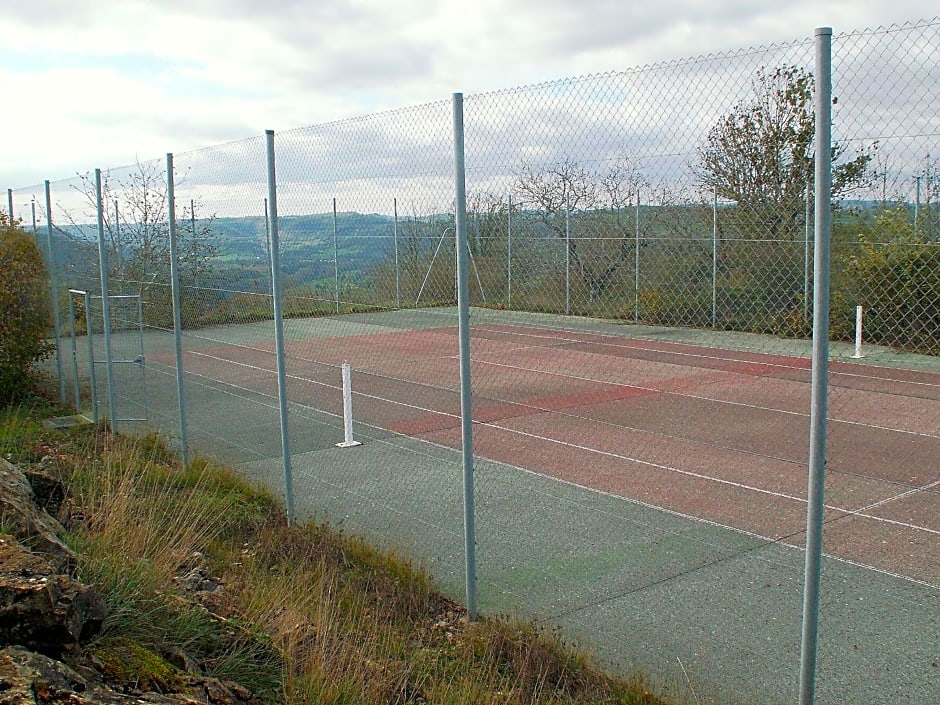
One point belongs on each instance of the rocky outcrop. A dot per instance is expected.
(48, 492)
(41, 609)
(45, 615)
(41, 606)
(28, 678)
(31, 525)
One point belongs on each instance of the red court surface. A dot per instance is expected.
(714, 434)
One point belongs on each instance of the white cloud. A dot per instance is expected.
(99, 82)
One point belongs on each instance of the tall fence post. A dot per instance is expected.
(806, 235)
(335, 259)
(636, 263)
(820, 372)
(10, 205)
(916, 206)
(567, 258)
(77, 390)
(117, 240)
(466, 398)
(54, 291)
(279, 328)
(509, 253)
(177, 317)
(715, 261)
(32, 205)
(397, 270)
(105, 303)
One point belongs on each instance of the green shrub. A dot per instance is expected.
(895, 275)
(24, 310)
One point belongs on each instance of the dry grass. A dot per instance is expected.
(306, 614)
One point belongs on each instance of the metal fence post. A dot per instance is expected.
(279, 328)
(54, 290)
(509, 253)
(177, 315)
(10, 205)
(335, 260)
(636, 263)
(820, 373)
(105, 302)
(466, 399)
(32, 204)
(397, 270)
(567, 258)
(806, 234)
(916, 206)
(715, 261)
(77, 390)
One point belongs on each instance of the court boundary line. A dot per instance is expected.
(588, 449)
(703, 356)
(630, 500)
(539, 409)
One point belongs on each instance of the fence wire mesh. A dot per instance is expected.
(641, 248)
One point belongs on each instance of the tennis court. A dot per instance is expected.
(711, 433)
(642, 487)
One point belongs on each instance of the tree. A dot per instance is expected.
(24, 299)
(137, 230)
(566, 192)
(760, 155)
(487, 214)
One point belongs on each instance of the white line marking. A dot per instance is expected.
(597, 451)
(612, 337)
(703, 398)
(594, 490)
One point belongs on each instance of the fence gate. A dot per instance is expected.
(129, 369)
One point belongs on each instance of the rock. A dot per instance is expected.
(48, 492)
(40, 608)
(198, 580)
(27, 678)
(180, 659)
(31, 525)
(221, 693)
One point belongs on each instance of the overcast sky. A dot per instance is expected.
(100, 83)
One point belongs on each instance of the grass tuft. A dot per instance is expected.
(297, 614)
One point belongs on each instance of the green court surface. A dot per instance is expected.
(705, 610)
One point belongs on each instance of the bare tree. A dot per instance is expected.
(487, 213)
(137, 230)
(567, 192)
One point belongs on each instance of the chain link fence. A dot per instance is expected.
(640, 249)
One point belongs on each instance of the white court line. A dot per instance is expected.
(635, 386)
(565, 341)
(529, 406)
(658, 466)
(570, 483)
(600, 381)
(701, 476)
(705, 398)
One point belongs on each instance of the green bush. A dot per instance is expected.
(24, 306)
(896, 277)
